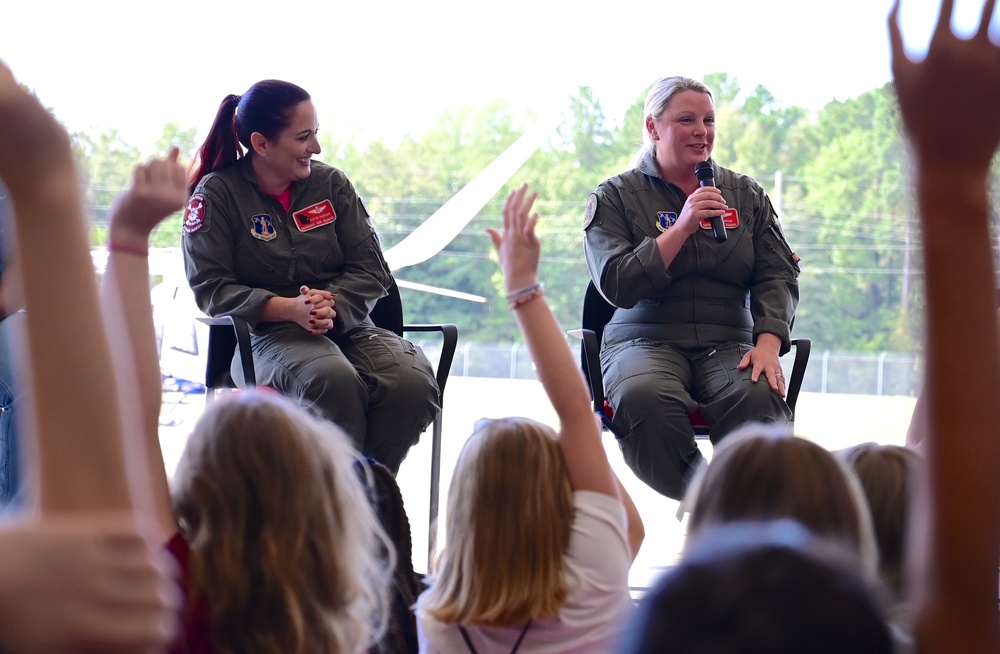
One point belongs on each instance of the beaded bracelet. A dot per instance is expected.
(124, 248)
(524, 299)
(524, 295)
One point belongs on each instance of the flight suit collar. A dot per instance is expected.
(246, 172)
(647, 166)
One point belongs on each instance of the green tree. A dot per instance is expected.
(168, 233)
(106, 163)
(856, 230)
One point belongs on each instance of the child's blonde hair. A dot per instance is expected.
(510, 510)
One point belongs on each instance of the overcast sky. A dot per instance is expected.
(391, 68)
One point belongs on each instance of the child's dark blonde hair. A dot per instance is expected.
(888, 475)
(510, 510)
(763, 472)
(285, 547)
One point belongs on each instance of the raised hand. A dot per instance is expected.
(86, 582)
(36, 154)
(946, 122)
(518, 246)
(158, 189)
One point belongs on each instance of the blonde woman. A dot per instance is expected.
(279, 548)
(540, 533)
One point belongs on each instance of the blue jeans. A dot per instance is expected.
(10, 458)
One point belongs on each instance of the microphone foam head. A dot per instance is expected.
(703, 171)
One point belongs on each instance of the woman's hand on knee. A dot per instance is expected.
(764, 360)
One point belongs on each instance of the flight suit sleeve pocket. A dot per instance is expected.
(779, 254)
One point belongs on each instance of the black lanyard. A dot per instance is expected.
(468, 643)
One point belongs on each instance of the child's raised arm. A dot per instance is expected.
(559, 372)
(69, 390)
(948, 103)
(86, 576)
(158, 189)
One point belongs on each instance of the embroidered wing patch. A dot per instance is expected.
(731, 219)
(316, 215)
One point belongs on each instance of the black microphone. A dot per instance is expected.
(706, 177)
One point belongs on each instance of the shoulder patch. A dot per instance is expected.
(591, 210)
(194, 213)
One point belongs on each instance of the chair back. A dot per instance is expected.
(388, 312)
(597, 313)
(221, 346)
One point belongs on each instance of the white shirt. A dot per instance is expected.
(597, 601)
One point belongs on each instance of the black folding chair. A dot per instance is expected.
(597, 312)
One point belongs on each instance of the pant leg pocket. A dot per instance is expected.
(715, 370)
(624, 360)
(373, 349)
(421, 362)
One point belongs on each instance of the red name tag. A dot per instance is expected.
(317, 215)
(730, 219)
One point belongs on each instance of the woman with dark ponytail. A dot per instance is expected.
(284, 242)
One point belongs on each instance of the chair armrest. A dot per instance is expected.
(449, 333)
(227, 334)
(802, 348)
(590, 355)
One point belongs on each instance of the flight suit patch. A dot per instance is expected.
(316, 215)
(194, 213)
(665, 220)
(588, 217)
(730, 219)
(262, 228)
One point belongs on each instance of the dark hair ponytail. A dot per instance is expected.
(221, 148)
(266, 108)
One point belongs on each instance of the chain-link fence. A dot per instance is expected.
(853, 373)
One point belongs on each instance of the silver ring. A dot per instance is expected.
(779, 375)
